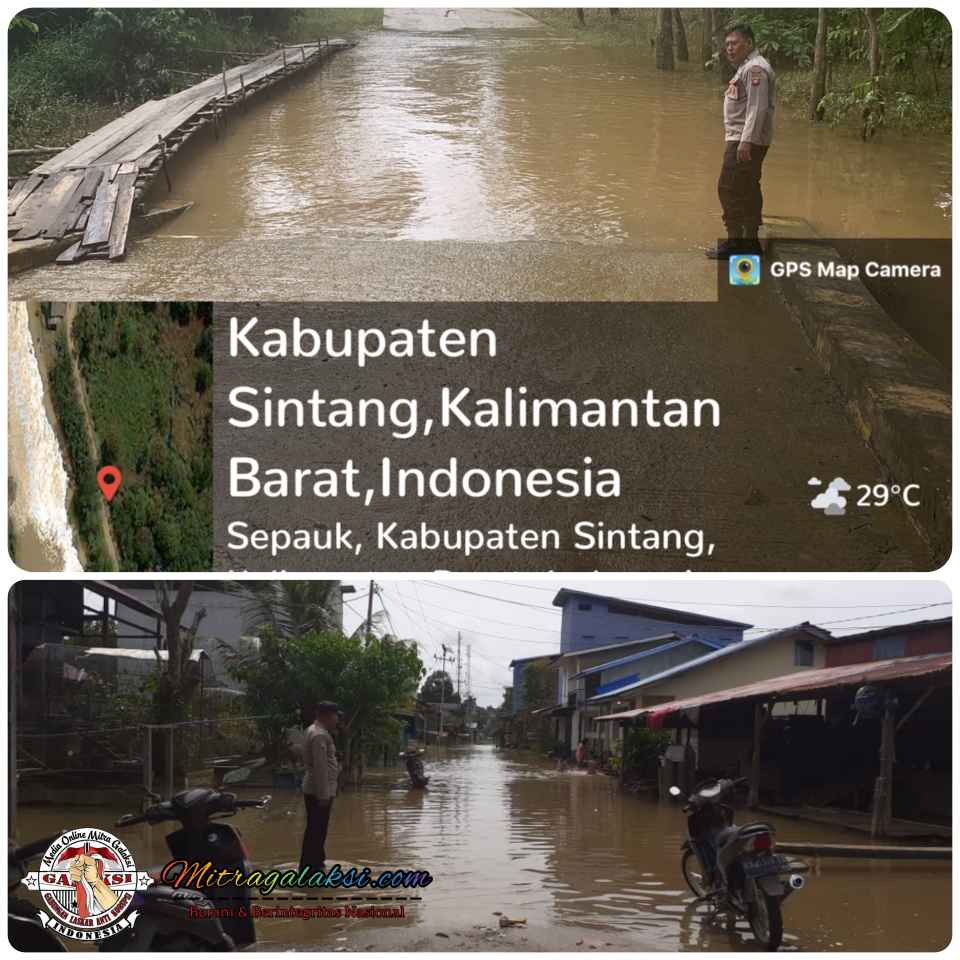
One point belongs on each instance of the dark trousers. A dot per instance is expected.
(739, 189)
(313, 853)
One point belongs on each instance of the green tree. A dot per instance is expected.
(289, 608)
(438, 688)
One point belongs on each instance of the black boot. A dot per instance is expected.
(727, 248)
(751, 241)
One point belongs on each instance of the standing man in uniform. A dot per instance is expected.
(319, 783)
(748, 107)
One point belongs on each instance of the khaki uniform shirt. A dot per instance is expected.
(749, 102)
(320, 761)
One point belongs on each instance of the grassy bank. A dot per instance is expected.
(71, 71)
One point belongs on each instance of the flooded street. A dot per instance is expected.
(447, 166)
(510, 136)
(571, 853)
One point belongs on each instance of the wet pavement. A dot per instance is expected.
(503, 832)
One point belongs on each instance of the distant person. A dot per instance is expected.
(748, 108)
(581, 754)
(319, 783)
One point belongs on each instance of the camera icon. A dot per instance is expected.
(744, 270)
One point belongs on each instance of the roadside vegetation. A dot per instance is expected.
(71, 70)
(147, 371)
(878, 68)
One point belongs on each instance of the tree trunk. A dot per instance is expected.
(664, 42)
(706, 36)
(581, 17)
(873, 32)
(819, 89)
(680, 35)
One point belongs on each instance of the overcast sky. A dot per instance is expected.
(504, 619)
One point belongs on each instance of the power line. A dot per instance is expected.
(719, 603)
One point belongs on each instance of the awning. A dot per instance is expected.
(806, 684)
(560, 710)
(133, 653)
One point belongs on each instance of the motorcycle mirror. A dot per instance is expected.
(674, 791)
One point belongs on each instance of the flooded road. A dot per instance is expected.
(493, 137)
(571, 853)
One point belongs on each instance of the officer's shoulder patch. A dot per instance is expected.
(756, 75)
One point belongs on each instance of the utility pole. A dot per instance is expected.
(373, 587)
(443, 689)
(469, 683)
(458, 666)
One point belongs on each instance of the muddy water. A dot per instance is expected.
(38, 485)
(496, 136)
(569, 852)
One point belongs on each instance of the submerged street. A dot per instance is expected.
(588, 865)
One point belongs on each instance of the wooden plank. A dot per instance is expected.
(50, 204)
(101, 214)
(21, 190)
(871, 852)
(121, 217)
(71, 254)
(70, 211)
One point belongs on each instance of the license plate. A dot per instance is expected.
(764, 866)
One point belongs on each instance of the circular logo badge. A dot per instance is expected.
(87, 881)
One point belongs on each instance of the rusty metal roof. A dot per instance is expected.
(806, 682)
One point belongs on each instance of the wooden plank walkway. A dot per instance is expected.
(874, 852)
(88, 192)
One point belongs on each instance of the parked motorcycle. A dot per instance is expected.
(414, 766)
(737, 866)
(163, 923)
(170, 919)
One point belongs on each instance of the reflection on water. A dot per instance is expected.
(499, 136)
(503, 832)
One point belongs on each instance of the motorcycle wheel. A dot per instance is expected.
(692, 871)
(766, 920)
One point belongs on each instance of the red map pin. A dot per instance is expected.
(109, 480)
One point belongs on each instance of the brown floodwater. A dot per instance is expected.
(503, 832)
(500, 136)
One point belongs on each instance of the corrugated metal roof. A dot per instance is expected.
(806, 682)
(729, 650)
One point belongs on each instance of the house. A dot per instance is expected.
(794, 649)
(607, 643)
(899, 640)
(881, 764)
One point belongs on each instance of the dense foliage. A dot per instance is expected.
(84, 502)
(373, 679)
(73, 69)
(140, 364)
(911, 92)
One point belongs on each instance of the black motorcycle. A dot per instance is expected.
(737, 866)
(169, 919)
(229, 925)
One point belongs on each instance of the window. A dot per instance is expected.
(584, 606)
(803, 653)
(886, 648)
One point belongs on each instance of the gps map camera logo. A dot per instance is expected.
(745, 270)
(87, 880)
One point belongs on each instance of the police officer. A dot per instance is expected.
(319, 783)
(748, 107)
